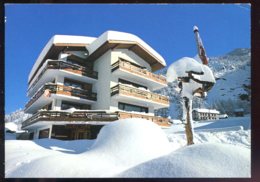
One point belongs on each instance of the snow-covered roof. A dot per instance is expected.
(60, 40)
(111, 39)
(201, 110)
(183, 66)
(97, 46)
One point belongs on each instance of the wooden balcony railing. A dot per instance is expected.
(68, 67)
(142, 94)
(139, 71)
(66, 116)
(90, 116)
(158, 120)
(64, 90)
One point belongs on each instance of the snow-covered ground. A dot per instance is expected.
(137, 148)
(235, 131)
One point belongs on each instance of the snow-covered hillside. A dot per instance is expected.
(233, 72)
(138, 148)
(232, 89)
(16, 117)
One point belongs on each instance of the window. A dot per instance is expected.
(72, 83)
(44, 133)
(130, 83)
(31, 136)
(130, 107)
(134, 64)
(68, 105)
(73, 62)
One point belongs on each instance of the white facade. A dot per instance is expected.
(102, 86)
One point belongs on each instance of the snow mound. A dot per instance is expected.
(201, 160)
(132, 141)
(11, 126)
(120, 145)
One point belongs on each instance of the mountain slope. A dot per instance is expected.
(232, 89)
(16, 117)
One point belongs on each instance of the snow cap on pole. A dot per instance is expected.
(195, 28)
(185, 65)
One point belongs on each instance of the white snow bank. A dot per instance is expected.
(10, 129)
(181, 67)
(136, 140)
(123, 146)
(245, 122)
(240, 138)
(120, 145)
(228, 131)
(11, 126)
(202, 160)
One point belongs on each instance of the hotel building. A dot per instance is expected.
(78, 84)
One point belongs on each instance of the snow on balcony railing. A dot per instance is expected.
(125, 65)
(90, 115)
(142, 94)
(70, 67)
(158, 120)
(63, 90)
(63, 116)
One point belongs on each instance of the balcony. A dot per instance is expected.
(87, 117)
(62, 116)
(76, 70)
(49, 89)
(138, 96)
(128, 70)
(164, 122)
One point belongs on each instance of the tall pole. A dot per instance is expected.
(188, 101)
(188, 124)
(200, 47)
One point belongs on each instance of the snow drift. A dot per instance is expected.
(132, 140)
(11, 126)
(119, 146)
(133, 148)
(202, 160)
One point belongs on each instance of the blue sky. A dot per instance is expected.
(166, 28)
